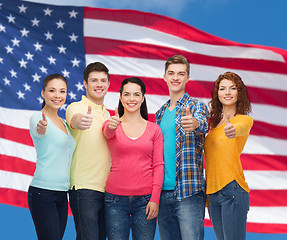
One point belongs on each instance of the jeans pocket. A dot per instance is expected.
(146, 198)
(110, 198)
(228, 191)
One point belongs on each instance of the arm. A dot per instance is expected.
(108, 133)
(239, 128)
(158, 173)
(201, 115)
(79, 121)
(110, 126)
(38, 125)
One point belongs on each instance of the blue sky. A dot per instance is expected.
(261, 22)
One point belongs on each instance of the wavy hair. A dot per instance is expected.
(243, 105)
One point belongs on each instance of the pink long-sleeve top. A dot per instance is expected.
(137, 166)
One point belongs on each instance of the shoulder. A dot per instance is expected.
(36, 116)
(153, 127)
(76, 106)
(195, 102)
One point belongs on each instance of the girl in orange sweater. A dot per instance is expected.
(225, 182)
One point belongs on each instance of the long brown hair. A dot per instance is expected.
(243, 105)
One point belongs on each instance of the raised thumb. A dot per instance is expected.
(89, 110)
(44, 116)
(228, 118)
(116, 112)
(188, 111)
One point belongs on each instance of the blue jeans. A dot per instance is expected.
(49, 210)
(128, 212)
(181, 219)
(89, 215)
(228, 211)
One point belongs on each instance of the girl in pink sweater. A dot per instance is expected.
(134, 185)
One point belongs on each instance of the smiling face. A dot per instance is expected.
(55, 93)
(227, 93)
(176, 77)
(97, 87)
(131, 97)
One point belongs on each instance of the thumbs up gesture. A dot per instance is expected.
(86, 120)
(42, 124)
(188, 122)
(114, 121)
(229, 129)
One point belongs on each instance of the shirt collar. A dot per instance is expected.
(94, 105)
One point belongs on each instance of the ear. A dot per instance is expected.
(42, 93)
(85, 84)
(164, 77)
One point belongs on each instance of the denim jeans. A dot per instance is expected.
(89, 215)
(128, 212)
(181, 219)
(228, 211)
(49, 210)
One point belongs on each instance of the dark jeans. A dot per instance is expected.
(228, 211)
(128, 212)
(49, 210)
(88, 210)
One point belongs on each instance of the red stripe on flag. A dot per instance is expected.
(18, 135)
(120, 48)
(271, 198)
(264, 162)
(13, 197)
(259, 227)
(18, 165)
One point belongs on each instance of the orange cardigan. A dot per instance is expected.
(222, 155)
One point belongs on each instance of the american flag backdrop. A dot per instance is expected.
(37, 40)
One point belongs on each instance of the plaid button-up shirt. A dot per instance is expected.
(189, 147)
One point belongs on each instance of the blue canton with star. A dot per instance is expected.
(38, 40)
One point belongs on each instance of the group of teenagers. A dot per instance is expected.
(123, 172)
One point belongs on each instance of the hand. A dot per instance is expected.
(86, 120)
(42, 124)
(229, 129)
(188, 122)
(114, 121)
(151, 210)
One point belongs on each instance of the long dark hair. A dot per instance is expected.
(50, 78)
(143, 108)
(243, 105)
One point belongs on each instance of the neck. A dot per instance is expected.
(174, 97)
(50, 112)
(229, 109)
(96, 101)
(132, 117)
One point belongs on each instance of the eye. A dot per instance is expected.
(63, 91)
(51, 90)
